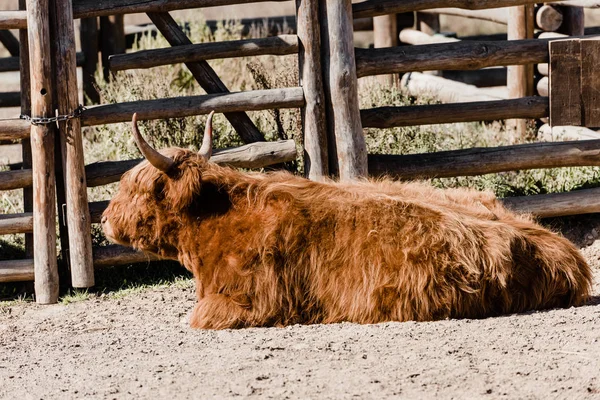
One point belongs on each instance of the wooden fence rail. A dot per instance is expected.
(13, 19)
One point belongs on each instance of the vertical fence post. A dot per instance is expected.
(573, 21)
(428, 23)
(385, 33)
(78, 214)
(26, 110)
(341, 90)
(89, 46)
(112, 35)
(42, 149)
(314, 119)
(519, 77)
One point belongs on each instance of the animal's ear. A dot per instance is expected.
(181, 190)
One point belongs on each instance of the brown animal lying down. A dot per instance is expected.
(277, 249)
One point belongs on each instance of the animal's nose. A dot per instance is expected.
(103, 220)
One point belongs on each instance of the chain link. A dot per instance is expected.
(58, 118)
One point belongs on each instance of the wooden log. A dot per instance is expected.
(10, 42)
(18, 179)
(94, 8)
(42, 149)
(447, 91)
(463, 55)
(96, 210)
(11, 64)
(519, 78)
(25, 86)
(372, 8)
(543, 87)
(10, 99)
(108, 256)
(14, 129)
(89, 37)
(16, 223)
(16, 270)
(543, 69)
(314, 118)
(590, 78)
(206, 76)
(13, 20)
(565, 83)
(480, 161)
(275, 45)
(548, 18)
(487, 77)
(112, 40)
(573, 21)
(385, 34)
(583, 201)
(388, 117)
(499, 16)
(342, 91)
(71, 143)
(415, 37)
(253, 155)
(194, 105)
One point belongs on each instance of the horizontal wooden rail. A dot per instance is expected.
(13, 20)
(18, 179)
(96, 210)
(585, 201)
(10, 99)
(498, 16)
(16, 270)
(253, 155)
(16, 223)
(580, 3)
(275, 45)
(194, 105)
(108, 256)
(388, 117)
(95, 8)
(11, 64)
(372, 8)
(480, 161)
(14, 129)
(467, 55)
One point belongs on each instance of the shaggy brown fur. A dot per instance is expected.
(276, 249)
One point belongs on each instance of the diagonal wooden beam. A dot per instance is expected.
(206, 76)
(10, 42)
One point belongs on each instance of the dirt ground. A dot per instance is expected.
(140, 346)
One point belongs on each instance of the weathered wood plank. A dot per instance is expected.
(573, 21)
(387, 117)
(13, 20)
(275, 45)
(112, 40)
(14, 129)
(89, 38)
(590, 78)
(385, 34)
(42, 149)
(565, 82)
(16, 223)
(557, 204)
(16, 270)
(17, 179)
(206, 76)
(194, 105)
(71, 143)
(479, 161)
(314, 117)
(464, 55)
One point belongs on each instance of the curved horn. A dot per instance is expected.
(159, 161)
(207, 141)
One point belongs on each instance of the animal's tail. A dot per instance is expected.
(547, 271)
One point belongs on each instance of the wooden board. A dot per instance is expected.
(590, 77)
(565, 82)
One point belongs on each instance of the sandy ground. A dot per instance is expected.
(141, 347)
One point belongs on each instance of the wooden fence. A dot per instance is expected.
(327, 96)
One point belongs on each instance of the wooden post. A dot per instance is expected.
(26, 110)
(10, 42)
(428, 23)
(78, 215)
(89, 46)
(385, 31)
(112, 39)
(42, 148)
(548, 18)
(519, 78)
(573, 21)
(314, 119)
(341, 90)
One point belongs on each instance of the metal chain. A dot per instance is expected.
(49, 120)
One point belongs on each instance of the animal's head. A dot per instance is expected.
(153, 197)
